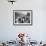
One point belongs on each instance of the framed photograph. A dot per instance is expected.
(22, 17)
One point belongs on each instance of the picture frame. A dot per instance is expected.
(22, 17)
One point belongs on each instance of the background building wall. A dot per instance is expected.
(38, 29)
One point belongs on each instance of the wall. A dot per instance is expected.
(38, 30)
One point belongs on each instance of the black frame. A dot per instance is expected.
(23, 24)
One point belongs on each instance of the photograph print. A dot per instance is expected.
(22, 17)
